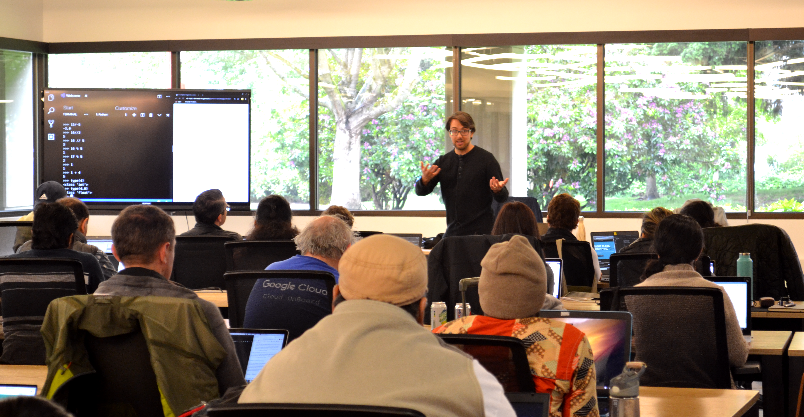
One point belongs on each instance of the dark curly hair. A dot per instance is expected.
(52, 226)
(678, 240)
(701, 211)
(563, 212)
(516, 217)
(273, 220)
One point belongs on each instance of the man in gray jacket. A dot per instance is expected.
(143, 238)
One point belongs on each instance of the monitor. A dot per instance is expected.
(255, 347)
(609, 333)
(738, 290)
(114, 147)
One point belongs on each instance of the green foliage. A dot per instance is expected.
(785, 205)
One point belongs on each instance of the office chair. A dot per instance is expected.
(680, 333)
(238, 291)
(504, 357)
(200, 261)
(308, 410)
(27, 286)
(255, 255)
(579, 271)
(626, 269)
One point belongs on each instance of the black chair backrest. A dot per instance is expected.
(12, 235)
(308, 410)
(504, 357)
(255, 255)
(27, 286)
(531, 202)
(240, 284)
(124, 382)
(694, 354)
(579, 271)
(626, 269)
(200, 261)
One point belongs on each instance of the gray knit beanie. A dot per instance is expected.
(513, 281)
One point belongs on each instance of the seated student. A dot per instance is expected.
(273, 304)
(143, 239)
(701, 211)
(46, 192)
(517, 217)
(52, 237)
(562, 216)
(342, 213)
(373, 350)
(678, 241)
(511, 289)
(210, 210)
(273, 220)
(650, 221)
(80, 236)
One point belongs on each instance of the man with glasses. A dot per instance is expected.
(469, 178)
(210, 210)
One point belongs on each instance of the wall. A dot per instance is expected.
(21, 19)
(104, 20)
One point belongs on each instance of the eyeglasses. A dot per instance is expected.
(464, 132)
(228, 208)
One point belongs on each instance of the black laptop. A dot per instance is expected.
(255, 347)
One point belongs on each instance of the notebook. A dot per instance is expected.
(737, 289)
(14, 390)
(607, 243)
(255, 347)
(609, 333)
(555, 265)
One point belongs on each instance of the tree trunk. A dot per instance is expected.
(346, 167)
(651, 193)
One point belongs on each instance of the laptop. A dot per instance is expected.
(255, 347)
(555, 265)
(607, 243)
(15, 390)
(414, 238)
(529, 404)
(738, 290)
(105, 244)
(609, 333)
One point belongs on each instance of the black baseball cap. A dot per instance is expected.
(49, 192)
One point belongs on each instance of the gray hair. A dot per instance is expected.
(326, 236)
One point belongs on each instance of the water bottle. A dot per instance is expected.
(745, 268)
(624, 392)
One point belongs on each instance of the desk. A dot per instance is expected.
(778, 319)
(658, 401)
(770, 347)
(580, 305)
(796, 370)
(215, 297)
(24, 375)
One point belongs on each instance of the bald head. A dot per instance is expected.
(326, 237)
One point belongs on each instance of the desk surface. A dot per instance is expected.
(657, 401)
(24, 375)
(769, 342)
(215, 297)
(797, 345)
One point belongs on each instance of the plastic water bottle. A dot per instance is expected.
(745, 268)
(624, 391)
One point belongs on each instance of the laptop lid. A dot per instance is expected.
(609, 333)
(607, 243)
(414, 238)
(555, 265)
(16, 390)
(255, 347)
(738, 290)
(529, 404)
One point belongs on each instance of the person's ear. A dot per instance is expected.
(114, 253)
(422, 307)
(163, 252)
(335, 293)
(70, 241)
(83, 226)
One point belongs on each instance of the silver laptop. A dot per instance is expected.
(738, 290)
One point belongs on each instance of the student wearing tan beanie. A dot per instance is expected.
(512, 290)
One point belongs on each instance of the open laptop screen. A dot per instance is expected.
(737, 289)
(255, 347)
(609, 333)
(555, 265)
(14, 390)
(608, 243)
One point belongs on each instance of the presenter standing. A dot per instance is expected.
(469, 180)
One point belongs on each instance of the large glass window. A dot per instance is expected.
(535, 108)
(675, 125)
(279, 84)
(779, 127)
(380, 113)
(17, 136)
(109, 70)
